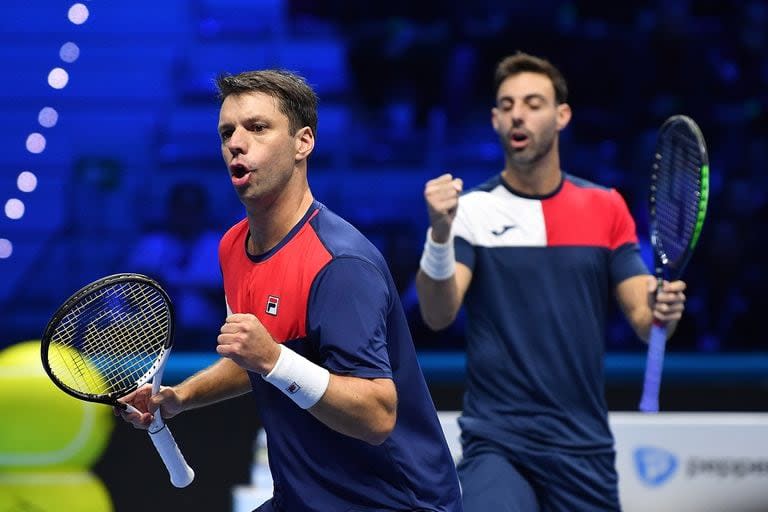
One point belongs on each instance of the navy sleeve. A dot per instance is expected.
(626, 262)
(464, 251)
(348, 309)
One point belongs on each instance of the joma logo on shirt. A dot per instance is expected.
(504, 229)
(272, 302)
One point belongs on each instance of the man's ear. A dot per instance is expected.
(563, 115)
(494, 119)
(305, 142)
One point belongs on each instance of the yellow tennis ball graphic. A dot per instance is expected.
(42, 427)
(53, 491)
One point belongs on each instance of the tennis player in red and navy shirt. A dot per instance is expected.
(535, 255)
(315, 329)
(326, 293)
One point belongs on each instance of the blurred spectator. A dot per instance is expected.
(182, 254)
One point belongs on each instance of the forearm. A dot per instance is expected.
(639, 315)
(643, 305)
(361, 408)
(642, 327)
(365, 409)
(220, 381)
(438, 300)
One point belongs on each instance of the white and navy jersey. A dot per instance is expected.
(327, 293)
(543, 271)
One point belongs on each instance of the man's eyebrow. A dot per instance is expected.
(250, 120)
(527, 97)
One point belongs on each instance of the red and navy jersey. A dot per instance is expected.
(543, 271)
(326, 292)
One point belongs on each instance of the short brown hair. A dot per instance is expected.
(296, 98)
(522, 62)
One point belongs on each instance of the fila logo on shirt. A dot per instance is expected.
(272, 302)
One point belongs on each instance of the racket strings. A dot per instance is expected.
(133, 359)
(124, 349)
(677, 184)
(115, 363)
(110, 339)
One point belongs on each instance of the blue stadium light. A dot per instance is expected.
(48, 117)
(58, 78)
(69, 52)
(6, 248)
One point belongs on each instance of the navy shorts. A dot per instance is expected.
(494, 477)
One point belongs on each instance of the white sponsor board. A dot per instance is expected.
(703, 462)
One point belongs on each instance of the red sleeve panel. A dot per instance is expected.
(588, 216)
(273, 287)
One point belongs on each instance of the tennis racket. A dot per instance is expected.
(678, 205)
(107, 340)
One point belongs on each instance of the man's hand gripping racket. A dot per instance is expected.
(106, 341)
(678, 204)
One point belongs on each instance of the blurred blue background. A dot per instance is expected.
(110, 159)
(110, 163)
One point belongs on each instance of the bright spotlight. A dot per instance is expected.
(58, 78)
(14, 209)
(6, 248)
(35, 143)
(27, 181)
(77, 14)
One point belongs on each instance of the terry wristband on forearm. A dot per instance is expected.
(300, 379)
(438, 260)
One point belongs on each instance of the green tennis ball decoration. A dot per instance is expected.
(53, 491)
(42, 427)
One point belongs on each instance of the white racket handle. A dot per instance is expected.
(178, 469)
(649, 402)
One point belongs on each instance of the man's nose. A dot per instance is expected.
(236, 143)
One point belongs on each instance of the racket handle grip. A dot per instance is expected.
(649, 402)
(178, 469)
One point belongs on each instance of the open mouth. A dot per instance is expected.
(519, 140)
(240, 175)
(238, 171)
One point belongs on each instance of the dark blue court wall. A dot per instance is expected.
(110, 160)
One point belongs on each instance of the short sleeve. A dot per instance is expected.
(463, 240)
(626, 260)
(348, 308)
(624, 230)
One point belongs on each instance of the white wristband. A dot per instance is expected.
(300, 379)
(438, 260)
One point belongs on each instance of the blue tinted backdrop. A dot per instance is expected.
(110, 159)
